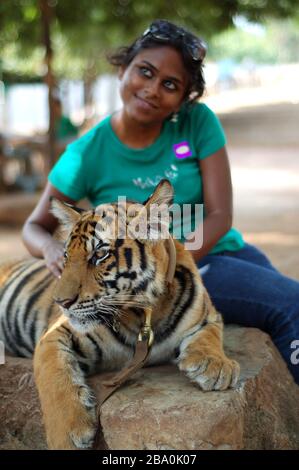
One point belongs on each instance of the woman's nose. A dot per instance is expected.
(153, 89)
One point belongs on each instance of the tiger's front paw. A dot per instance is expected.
(210, 372)
(72, 424)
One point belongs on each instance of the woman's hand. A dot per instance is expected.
(39, 228)
(53, 255)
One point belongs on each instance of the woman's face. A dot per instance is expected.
(153, 85)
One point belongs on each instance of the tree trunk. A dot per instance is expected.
(88, 83)
(46, 18)
(88, 97)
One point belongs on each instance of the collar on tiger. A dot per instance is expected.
(170, 247)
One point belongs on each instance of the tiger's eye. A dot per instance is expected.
(101, 252)
(99, 256)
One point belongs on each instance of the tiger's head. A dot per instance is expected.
(116, 256)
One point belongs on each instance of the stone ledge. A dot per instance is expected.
(160, 409)
(16, 207)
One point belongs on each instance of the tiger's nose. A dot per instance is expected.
(66, 303)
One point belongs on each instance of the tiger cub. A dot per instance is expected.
(90, 318)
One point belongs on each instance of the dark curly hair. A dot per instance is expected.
(178, 38)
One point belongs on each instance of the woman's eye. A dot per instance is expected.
(170, 85)
(146, 72)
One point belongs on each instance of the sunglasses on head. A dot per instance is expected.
(196, 47)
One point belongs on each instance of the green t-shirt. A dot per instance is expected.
(100, 167)
(64, 128)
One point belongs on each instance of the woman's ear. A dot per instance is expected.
(121, 71)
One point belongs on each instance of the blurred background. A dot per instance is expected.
(55, 84)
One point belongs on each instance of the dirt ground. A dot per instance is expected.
(263, 145)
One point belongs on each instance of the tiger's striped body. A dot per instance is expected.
(104, 289)
(24, 314)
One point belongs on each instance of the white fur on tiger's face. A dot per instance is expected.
(90, 318)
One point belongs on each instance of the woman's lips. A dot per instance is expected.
(143, 104)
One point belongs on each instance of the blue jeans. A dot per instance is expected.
(249, 291)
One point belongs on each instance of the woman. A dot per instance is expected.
(162, 132)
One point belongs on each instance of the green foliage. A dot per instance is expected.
(83, 30)
(277, 44)
(20, 24)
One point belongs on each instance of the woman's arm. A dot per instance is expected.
(38, 229)
(218, 206)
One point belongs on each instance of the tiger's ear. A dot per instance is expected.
(163, 194)
(153, 220)
(66, 214)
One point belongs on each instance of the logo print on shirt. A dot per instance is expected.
(182, 150)
(170, 173)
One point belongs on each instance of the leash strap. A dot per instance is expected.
(108, 387)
